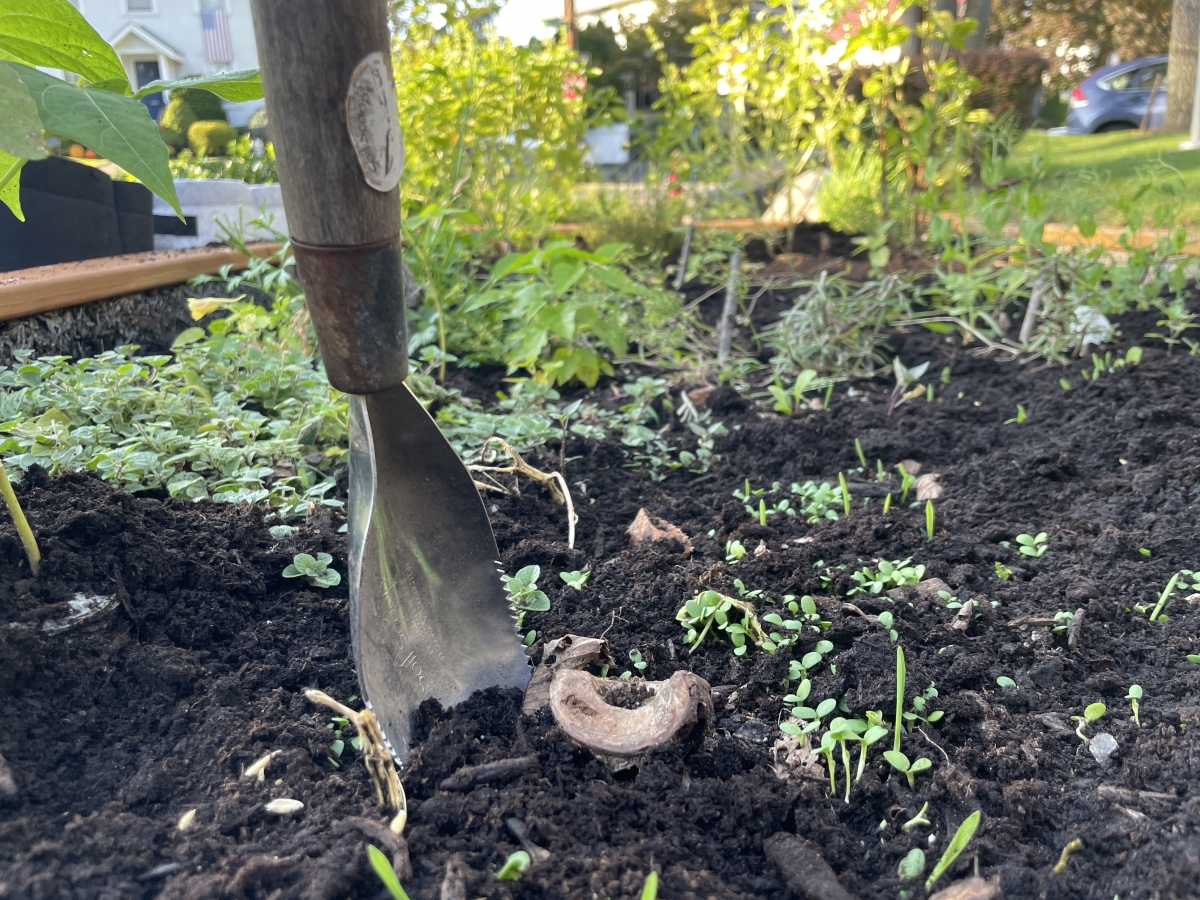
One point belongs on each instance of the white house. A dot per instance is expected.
(174, 38)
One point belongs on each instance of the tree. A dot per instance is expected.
(1181, 69)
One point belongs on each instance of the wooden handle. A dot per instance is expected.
(331, 109)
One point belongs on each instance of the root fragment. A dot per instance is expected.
(380, 765)
(554, 482)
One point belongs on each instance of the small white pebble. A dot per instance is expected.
(932, 839)
(186, 820)
(284, 806)
(1103, 746)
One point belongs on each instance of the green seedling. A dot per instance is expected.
(901, 675)
(747, 496)
(1020, 418)
(1064, 384)
(577, 580)
(282, 532)
(1033, 545)
(951, 601)
(1091, 713)
(806, 608)
(913, 865)
(734, 551)
(1066, 619)
(828, 744)
(530, 637)
(887, 504)
(514, 867)
(828, 397)
(1144, 552)
(918, 819)
(1193, 657)
(523, 593)
(635, 657)
(315, 569)
(383, 868)
(887, 620)
(901, 763)
(919, 705)
(791, 403)
(812, 716)
(650, 888)
(906, 483)
(1182, 578)
(957, 845)
(734, 617)
(845, 492)
(1005, 682)
(887, 575)
(872, 735)
(904, 377)
(1134, 695)
(843, 730)
(32, 553)
(862, 459)
(818, 501)
(929, 519)
(929, 393)
(1003, 572)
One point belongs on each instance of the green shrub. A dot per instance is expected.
(205, 104)
(1009, 81)
(176, 119)
(210, 137)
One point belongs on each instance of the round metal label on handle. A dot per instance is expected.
(373, 120)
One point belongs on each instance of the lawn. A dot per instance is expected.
(1094, 172)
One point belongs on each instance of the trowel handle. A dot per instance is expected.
(331, 110)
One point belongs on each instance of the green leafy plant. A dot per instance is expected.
(650, 887)
(1134, 695)
(901, 675)
(818, 502)
(906, 482)
(845, 493)
(386, 873)
(577, 580)
(1091, 714)
(635, 657)
(1020, 418)
(901, 763)
(1003, 572)
(905, 377)
(1184, 577)
(514, 867)
(885, 576)
(929, 520)
(523, 593)
(1033, 545)
(315, 569)
(734, 617)
(958, 843)
(1005, 682)
(734, 551)
(920, 704)
(790, 402)
(887, 620)
(912, 866)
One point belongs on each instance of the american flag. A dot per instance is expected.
(218, 48)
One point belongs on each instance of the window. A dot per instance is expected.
(1124, 81)
(139, 5)
(213, 4)
(1147, 75)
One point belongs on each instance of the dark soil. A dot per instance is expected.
(120, 724)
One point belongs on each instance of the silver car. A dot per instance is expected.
(1115, 98)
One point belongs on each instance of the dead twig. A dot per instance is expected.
(554, 482)
(1076, 629)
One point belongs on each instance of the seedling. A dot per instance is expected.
(887, 504)
(901, 763)
(818, 501)
(810, 715)
(315, 569)
(1064, 384)
(1020, 418)
(906, 482)
(1005, 682)
(886, 620)
(913, 865)
(873, 734)
(734, 551)
(929, 519)
(887, 575)
(1066, 619)
(1003, 572)
(862, 459)
(951, 601)
(1184, 576)
(904, 377)
(919, 704)
(1134, 695)
(806, 608)
(1091, 714)
(901, 674)
(523, 592)
(1193, 657)
(957, 845)
(650, 888)
(918, 819)
(845, 492)
(32, 553)
(791, 403)
(1144, 552)
(635, 657)
(383, 868)
(575, 580)
(734, 617)
(748, 496)
(514, 867)
(1033, 545)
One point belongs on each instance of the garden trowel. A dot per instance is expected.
(428, 614)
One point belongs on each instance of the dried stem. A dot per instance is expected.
(554, 482)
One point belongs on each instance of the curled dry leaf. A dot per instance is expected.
(962, 619)
(971, 889)
(929, 487)
(678, 709)
(568, 652)
(646, 527)
(186, 820)
(699, 396)
(284, 806)
(911, 466)
(799, 759)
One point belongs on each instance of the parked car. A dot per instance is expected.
(1115, 98)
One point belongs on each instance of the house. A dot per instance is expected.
(171, 39)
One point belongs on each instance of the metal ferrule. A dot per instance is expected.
(356, 299)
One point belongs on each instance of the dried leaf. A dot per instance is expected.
(646, 527)
(929, 487)
(568, 652)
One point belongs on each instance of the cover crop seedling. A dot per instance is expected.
(957, 845)
(901, 763)
(1185, 577)
(383, 868)
(1033, 545)
(315, 569)
(32, 553)
(929, 519)
(734, 551)
(790, 403)
(818, 501)
(575, 580)
(734, 617)
(514, 867)
(1134, 695)
(523, 592)
(887, 575)
(1091, 714)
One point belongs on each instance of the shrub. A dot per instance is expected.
(176, 119)
(1009, 81)
(205, 104)
(210, 137)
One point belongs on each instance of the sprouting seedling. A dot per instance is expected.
(1193, 657)
(32, 553)
(734, 617)
(1064, 384)
(523, 592)
(912, 866)
(904, 377)
(872, 735)
(1034, 545)
(918, 819)
(575, 580)
(1003, 572)
(790, 403)
(845, 492)
(901, 673)
(1005, 682)
(1187, 576)
(828, 396)
(650, 887)
(809, 715)
(901, 763)
(929, 519)
(635, 657)
(734, 551)
(887, 574)
(954, 849)
(843, 730)
(887, 620)
(1020, 418)
(1065, 618)
(514, 866)
(1091, 713)
(906, 482)
(828, 743)
(919, 704)
(1134, 695)
(862, 458)
(887, 504)
(383, 868)
(315, 569)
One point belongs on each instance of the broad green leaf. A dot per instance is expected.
(119, 128)
(10, 183)
(54, 34)
(20, 127)
(245, 84)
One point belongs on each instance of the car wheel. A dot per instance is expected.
(1115, 126)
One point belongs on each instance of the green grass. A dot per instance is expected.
(1092, 173)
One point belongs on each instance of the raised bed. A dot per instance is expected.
(119, 725)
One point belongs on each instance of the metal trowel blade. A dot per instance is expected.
(428, 614)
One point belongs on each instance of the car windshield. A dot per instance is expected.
(1122, 81)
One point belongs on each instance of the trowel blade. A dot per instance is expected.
(428, 614)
